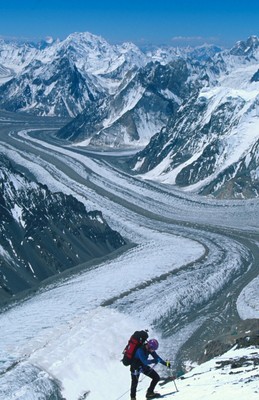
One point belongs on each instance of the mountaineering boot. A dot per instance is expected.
(133, 398)
(153, 395)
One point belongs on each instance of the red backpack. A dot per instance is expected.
(136, 340)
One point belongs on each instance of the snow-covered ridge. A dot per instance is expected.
(37, 82)
(162, 99)
(210, 144)
(90, 53)
(231, 375)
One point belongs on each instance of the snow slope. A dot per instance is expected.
(219, 379)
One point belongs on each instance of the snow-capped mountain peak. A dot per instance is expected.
(249, 47)
(122, 96)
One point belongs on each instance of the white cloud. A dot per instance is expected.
(194, 40)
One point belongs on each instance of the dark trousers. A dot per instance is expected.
(150, 372)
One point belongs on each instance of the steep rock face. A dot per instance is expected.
(60, 77)
(239, 180)
(246, 48)
(48, 89)
(143, 105)
(207, 152)
(94, 55)
(209, 145)
(255, 77)
(44, 233)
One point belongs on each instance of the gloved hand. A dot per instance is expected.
(168, 364)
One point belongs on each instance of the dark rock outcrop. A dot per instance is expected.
(43, 234)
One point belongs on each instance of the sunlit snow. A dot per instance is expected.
(73, 332)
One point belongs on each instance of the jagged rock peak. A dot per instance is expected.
(247, 47)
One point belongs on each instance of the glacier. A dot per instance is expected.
(189, 253)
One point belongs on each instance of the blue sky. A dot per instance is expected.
(173, 22)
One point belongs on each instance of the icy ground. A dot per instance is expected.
(190, 254)
(222, 378)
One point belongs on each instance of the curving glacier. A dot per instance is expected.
(189, 269)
